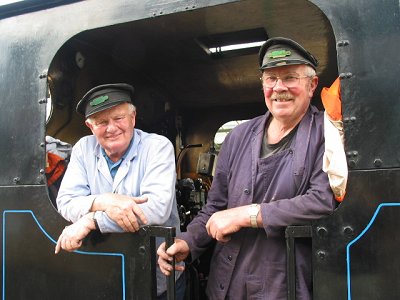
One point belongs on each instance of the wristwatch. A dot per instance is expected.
(253, 211)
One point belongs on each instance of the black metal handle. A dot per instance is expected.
(171, 293)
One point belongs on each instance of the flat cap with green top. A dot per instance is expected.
(280, 51)
(104, 97)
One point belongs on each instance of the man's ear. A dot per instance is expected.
(313, 85)
(134, 118)
(88, 124)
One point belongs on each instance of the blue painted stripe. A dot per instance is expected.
(356, 239)
(55, 242)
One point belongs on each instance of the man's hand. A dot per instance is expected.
(225, 222)
(122, 209)
(179, 249)
(72, 235)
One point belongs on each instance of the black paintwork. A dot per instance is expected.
(365, 38)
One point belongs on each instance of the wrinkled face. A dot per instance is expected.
(288, 103)
(113, 129)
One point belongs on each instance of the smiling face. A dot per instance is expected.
(113, 129)
(289, 104)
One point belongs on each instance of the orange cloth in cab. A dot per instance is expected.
(332, 101)
(55, 167)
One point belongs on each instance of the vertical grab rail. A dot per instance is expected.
(169, 234)
(291, 233)
(169, 240)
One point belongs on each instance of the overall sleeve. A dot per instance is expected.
(74, 197)
(158, 181)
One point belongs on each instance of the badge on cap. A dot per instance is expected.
(279, 54)
(98, 100)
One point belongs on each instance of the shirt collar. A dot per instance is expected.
(109, 161)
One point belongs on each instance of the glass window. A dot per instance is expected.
(49, 107)
(223, 132)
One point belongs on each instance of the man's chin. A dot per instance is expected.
(114, 147)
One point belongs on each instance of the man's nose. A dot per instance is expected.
(279, 86)
(111, 126)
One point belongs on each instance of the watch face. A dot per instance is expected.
(253, 210)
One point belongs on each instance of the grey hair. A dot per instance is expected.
(131, 108)
(310, 72)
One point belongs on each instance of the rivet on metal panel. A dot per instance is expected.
(142, 250)
(377, 162)
(41, 171)
(42, 145)
(321, 254)
(345, 75)
(343, 43)
(42, 101)
(43, 74)
(352, 163)
(351, 153)
(322, 231)
(353, 119)
(348, 231)
(16, 180)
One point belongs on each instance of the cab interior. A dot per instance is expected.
(182, 89)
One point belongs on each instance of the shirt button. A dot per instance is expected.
(221, 286)
(230, 257)
(246, 191)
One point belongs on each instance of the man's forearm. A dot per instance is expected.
(89, 221)
(101, 202)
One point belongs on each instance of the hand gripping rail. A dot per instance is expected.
(169, 234)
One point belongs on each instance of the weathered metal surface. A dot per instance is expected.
(153, 43)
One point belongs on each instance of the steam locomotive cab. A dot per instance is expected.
(194, 66)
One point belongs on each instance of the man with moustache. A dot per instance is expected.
(268, 176)
(120, 177)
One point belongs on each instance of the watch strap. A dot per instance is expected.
(253, 217)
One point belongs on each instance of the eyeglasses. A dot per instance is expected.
(289, 81)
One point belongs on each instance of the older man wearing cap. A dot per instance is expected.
(268, 176)
(120, 177)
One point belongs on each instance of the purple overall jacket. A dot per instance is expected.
(292, 190)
